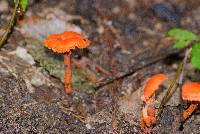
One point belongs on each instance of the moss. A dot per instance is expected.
(53, 63)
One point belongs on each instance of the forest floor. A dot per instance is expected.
(128, 45)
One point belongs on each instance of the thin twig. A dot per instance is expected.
(187, 53)
(180, 82)
(171, 86)
(10, 25)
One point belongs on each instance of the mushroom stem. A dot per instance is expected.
(148, 114)
(147, 118)
(68, 74)
(189, 110)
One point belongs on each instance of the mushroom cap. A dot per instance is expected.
(152, 85)
(66, 41)
(191, 91)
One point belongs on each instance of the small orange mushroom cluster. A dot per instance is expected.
(63, 43)
(190, 92)
(148, 113)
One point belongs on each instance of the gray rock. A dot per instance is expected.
(22, 53)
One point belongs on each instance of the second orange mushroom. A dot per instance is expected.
(191, 92)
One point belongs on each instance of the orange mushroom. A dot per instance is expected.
(191, 92)
(63, 43)
(148, 113)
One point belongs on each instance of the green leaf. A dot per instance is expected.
(179, 44)
(182, 37)
(23, 4)
(196, 55)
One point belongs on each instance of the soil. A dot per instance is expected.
(128, 44)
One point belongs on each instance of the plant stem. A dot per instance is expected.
(180, 82)
(10, 24)
(68, 74)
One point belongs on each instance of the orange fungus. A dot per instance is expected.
(191, 91)
(152, 85)
(66, 41)
(63, 43)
